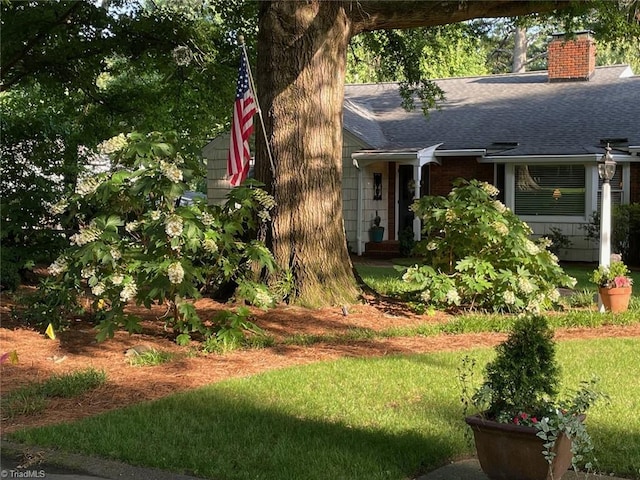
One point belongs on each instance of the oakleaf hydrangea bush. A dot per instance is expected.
(478, 255)
(136, 242)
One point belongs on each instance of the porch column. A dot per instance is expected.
(417, 175)
(359, 207)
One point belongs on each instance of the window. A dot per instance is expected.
(550, 190)
(617, 187)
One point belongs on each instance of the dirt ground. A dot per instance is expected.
(39, 357)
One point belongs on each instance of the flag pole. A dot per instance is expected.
(253, 89)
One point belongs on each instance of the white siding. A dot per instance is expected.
(217, 182)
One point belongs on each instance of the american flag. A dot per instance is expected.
(241, 127)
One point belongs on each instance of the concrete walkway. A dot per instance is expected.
(470, 470)
(54, 465)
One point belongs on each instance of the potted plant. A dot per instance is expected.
(614, 285)
(377, 232)
(522, 429)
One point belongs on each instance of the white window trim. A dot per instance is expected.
(591, 193)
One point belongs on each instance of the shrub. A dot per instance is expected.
(625, 228)
(136, 242)
(478, 255)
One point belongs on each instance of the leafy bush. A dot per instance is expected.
(137, 242)
(478, 255)
(625, 229)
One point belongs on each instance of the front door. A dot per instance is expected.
(406, 191)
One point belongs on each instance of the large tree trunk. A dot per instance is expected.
(519, 64)
(300, 82)
(302, 60)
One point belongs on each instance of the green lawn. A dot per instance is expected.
(384, 418)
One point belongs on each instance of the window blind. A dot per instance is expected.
(550, 190)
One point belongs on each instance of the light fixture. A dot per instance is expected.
(557, 194)
(607, 166)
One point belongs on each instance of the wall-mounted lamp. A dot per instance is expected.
(557, 194)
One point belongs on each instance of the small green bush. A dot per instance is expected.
(478, 255)
(625, 228)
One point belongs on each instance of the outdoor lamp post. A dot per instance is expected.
(606, 170)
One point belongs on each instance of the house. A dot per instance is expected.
(536, 136)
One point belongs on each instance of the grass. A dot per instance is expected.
(384, 418)
(388, 280)
(150, 358)
(32, 398)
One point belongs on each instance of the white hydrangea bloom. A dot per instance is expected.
(210, 245)
(116, 279)
(509, 297)
(490, 189)
(453, 298)
(263, 298)
(132, 226)
(450, 215)
(531, 248)
(115, 253)
(501, 228)
(207, 219)
(155, 215)
(173, 226)
(87, 272)
(98, 289)
(58, 266)
(525, 286)
(114, 144)
(129, 291)
(554, 295)
(500, 207)
(431, 246)
(544, 242)
(86, 235)
(425, 295)
(175, 273)
(59, 207)
(87, 186)
(170, 171)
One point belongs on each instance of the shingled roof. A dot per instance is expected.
(514, 114)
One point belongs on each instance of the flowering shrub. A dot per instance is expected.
(478, 255)
(615, 275)
(136, 242)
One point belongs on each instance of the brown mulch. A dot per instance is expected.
(75, 348)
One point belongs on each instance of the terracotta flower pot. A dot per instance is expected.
(508, 451)
(615, 299)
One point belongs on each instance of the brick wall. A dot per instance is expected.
(573, 59)
(442, 176)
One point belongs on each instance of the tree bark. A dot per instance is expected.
(519, 64)
(300, 82)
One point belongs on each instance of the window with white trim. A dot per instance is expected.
(550, 190)
(617, 187)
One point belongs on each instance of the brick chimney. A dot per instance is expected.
(571, 60)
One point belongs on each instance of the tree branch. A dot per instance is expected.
(369, 15)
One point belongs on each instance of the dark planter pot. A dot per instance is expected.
(615, 300)
(514, 452)
(377, 233)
